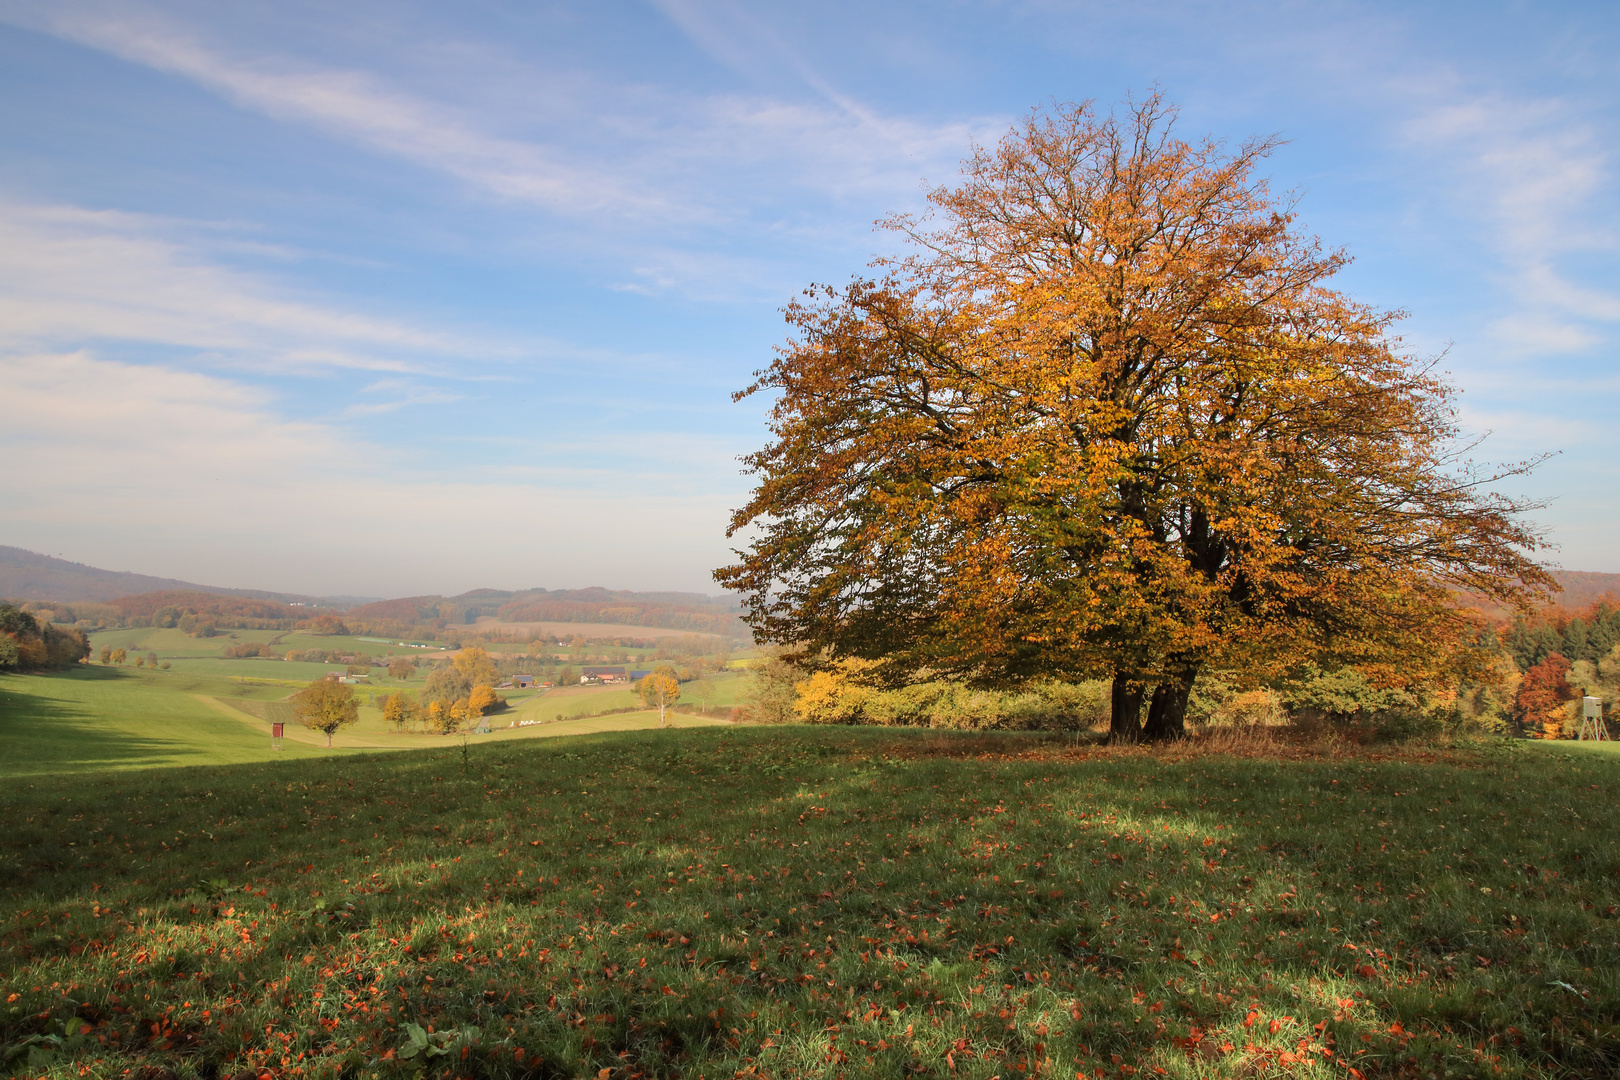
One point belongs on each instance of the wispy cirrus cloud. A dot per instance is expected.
(389, 395)
(74, 275)
(648, 154)
(1538, 174)
(356, 106)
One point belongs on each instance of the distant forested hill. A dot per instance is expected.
(28, 575)
(670, 610)
(1582, 589)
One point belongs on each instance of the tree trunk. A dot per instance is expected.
(661, 715)
(1167, 714)
(1125, 711)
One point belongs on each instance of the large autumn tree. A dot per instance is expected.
(1107, 419)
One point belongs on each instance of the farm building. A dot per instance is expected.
(602, 675)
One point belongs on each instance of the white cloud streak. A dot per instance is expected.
(1536, 173)
(646, 155)
(357, 107)
(68, 274)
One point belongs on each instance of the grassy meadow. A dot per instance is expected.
(567, 702)
(801, 901)
(104, 718)
(99, 717)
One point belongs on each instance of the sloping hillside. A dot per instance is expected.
(1582, 588)
(28, 575)
(680, 611)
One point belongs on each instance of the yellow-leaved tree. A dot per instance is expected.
(399, 711)
(326, 705)
(476, 665)
(659, 690)
(1108, 419)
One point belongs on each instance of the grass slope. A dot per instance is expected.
(95, 718)
(813, 902)
(567, 702)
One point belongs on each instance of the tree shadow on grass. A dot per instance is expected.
(40, 734)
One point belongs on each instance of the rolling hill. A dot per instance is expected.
(28, 575)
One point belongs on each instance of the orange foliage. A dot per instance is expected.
(325, 705)
(1109, 420)
(323, 624)
(1538, 707)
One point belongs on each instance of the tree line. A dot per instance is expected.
(455, 695)
(27, 644)
(1589, 633)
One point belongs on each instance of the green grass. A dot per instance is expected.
(566, 702)
(170, 643)
(817, 902)
(98, 718)
(348, 644)
(94, 718)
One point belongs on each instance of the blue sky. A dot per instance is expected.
(390, 298)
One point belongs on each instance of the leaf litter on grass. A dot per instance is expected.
(814, 902)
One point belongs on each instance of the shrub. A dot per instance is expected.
(838, 696)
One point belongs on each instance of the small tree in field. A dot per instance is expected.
(401, 669)
(659, 690)
(325, 705)
(106, 654)
(399, 711)
(119, 656)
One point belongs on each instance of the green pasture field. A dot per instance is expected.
(348, 644)
(410, 644)
(94, 718)
(100, 718)
(256, 667)
(574, 701)
(570, 701)
(818, 902)
(201, 656)
(170, 643)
